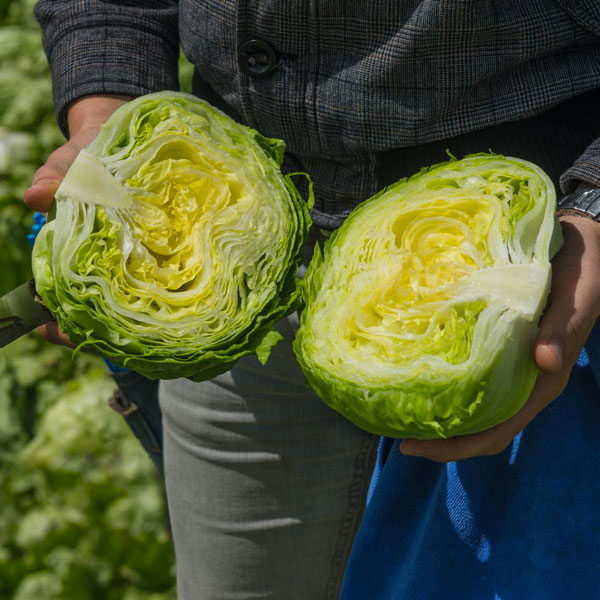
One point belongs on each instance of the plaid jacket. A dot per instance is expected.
(341, 80)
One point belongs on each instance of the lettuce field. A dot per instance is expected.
(82, 510)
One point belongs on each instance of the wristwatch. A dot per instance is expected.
(584, 202)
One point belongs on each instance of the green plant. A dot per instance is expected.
(421, 314)
(176, 240)
(82, 512)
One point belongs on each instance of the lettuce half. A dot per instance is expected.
(420, 315)
(175, 242)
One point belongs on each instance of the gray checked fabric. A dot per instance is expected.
(352, 78)
(266, 485)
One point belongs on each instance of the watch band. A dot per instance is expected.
(583, 202)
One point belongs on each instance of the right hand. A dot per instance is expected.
(85, 117)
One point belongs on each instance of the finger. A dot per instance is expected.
(491, 441)
(40, 196)
(52, 333)
(573, 302)
(485, 443)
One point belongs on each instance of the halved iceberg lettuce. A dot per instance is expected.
(420, 315)
(175, 242)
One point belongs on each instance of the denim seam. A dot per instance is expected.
(351, 521)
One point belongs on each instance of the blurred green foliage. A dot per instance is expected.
(27, 131)
(82, 511)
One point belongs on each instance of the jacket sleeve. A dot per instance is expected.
(586, 169)
(127, 47)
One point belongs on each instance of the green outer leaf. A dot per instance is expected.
(83, 246)
(429, 397)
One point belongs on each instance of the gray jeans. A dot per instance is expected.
(266, 485)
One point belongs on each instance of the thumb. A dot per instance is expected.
(549, 349)
(41, 194)
(572, 306)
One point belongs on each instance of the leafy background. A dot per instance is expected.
(82, 511)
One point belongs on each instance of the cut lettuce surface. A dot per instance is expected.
(421, 312)
(175, 242)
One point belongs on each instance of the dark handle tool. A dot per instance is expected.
(20, 312)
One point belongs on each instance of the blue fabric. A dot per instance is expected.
(524, 524)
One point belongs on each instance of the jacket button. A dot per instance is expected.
(257, 58)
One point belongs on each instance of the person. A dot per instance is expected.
(265, 485)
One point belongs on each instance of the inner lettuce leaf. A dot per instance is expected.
(421, 313)
(175, 242)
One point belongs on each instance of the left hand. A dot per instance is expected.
(85, 117)
(572, 309)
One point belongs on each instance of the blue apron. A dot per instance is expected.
(521, 525)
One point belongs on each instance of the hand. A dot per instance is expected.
(85, 117)
(573, 307)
